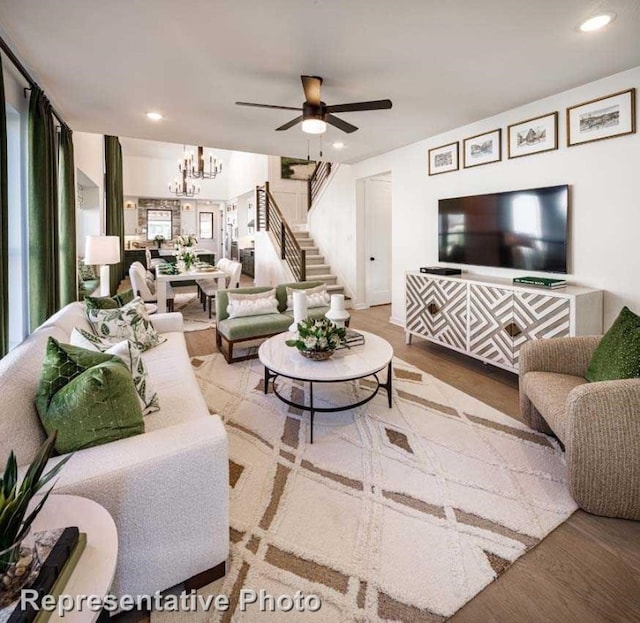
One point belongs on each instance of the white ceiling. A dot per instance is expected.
(444, 63)
(142, 148)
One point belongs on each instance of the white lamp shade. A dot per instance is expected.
(101, 250)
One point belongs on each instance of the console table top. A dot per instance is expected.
(502, 282)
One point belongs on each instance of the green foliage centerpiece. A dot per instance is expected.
(318, 339)
(16, 560)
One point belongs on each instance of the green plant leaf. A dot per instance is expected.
(14, 501)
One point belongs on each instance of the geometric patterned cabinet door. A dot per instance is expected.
(538, 316)
(491, 324)
(492, 319)
(437, 309)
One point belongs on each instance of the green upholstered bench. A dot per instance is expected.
(250, 328)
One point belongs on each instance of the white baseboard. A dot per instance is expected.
(397, 321)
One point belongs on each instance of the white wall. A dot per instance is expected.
(290, 195)
(213, 244)
(270, 270)
(244, 172)
(604, 251)
(150, 177)
(332, 223)
(88, 152)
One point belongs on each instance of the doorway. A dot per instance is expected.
(375, 222)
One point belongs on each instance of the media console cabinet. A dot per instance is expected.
(491, 318)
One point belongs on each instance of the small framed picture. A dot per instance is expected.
(443, 159)
(533, 136)
(483, 149)
(605, 117)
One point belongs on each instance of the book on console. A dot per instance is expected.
(540, 282)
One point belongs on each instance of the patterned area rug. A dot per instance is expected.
(195, 319)
(399, 514)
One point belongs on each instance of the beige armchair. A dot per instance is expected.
(598, 423)
(152, 262)
(144, 287)
(207, 288)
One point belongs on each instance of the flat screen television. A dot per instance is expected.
(523, 229)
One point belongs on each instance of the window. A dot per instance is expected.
(206, 225)
(159, 223)
(18, 275)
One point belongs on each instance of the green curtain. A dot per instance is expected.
(4, 226)
(43, 210)
(114, 202)
(67, 264)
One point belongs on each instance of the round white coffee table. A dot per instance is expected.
(96, 567)
(348, 364)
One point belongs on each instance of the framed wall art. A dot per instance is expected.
(444, 159)
(533, 136)
(605, 117)
(482, 149)
(296, 169)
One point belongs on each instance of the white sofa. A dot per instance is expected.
(167, 489)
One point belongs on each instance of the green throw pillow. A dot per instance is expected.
(618, 354)
(98, 406)
(109, 302)
(62, 364)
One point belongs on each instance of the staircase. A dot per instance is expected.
(316, 268)
(296, 248)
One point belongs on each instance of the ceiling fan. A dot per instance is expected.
(316, 114)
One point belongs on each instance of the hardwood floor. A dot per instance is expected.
(587, 570)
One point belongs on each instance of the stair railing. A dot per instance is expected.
(318, 178)
(271, 219)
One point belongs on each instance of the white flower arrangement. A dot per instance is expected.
(317, 336)
(185, 241)
(187, 256)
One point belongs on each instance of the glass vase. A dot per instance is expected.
(17, 565)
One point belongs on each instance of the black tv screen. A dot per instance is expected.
(523, 229)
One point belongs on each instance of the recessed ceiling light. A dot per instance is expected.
(338, 145)
(597, 22)
(154, 116)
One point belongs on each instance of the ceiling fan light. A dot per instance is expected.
(314, 126)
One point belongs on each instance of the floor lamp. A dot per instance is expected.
(102, 251)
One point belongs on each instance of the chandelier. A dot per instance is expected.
(183, 188)
(194, 166)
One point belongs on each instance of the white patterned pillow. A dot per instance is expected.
(241, 305)
(316, 297)
(132, 357)
(130, 322)
(89, 341)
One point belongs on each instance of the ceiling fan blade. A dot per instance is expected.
(290, 124)
(356, 106)
(340, 124)
(267, 106)
(311, 86)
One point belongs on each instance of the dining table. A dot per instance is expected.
(195, 272)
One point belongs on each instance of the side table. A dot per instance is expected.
(97, 565)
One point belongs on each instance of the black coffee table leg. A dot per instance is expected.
(388, 386)
(266, 380)
(311, 407)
